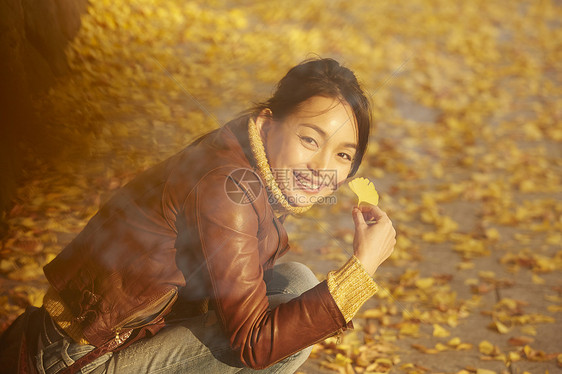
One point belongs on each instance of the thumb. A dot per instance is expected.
(358, 218)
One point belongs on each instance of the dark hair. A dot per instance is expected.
(322, 77)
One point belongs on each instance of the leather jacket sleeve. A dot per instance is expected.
(228, 234)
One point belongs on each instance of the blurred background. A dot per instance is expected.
(466, 153)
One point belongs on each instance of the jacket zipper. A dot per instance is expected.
(123, 330)
(279, 249)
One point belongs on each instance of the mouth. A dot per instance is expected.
(306, 184)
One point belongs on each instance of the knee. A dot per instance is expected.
(287, 365)
(300, 277)
(297, 359)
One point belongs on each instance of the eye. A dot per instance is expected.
(308, 140)
(345, 156)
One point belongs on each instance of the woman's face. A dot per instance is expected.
(311, 151)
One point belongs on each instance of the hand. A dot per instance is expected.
(373, 242)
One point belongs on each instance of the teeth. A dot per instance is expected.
(306, 183)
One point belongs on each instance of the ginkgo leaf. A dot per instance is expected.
(365, 191)
(440, 331)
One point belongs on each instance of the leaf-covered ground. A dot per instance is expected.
(466, 157)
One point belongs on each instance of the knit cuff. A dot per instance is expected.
(60, 313)
(350, 287)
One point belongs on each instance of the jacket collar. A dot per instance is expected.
(239, 129)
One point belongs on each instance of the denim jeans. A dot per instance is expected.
(194, 345)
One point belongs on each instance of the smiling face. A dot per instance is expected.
(311, 151)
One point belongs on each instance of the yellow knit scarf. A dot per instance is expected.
(265, 172)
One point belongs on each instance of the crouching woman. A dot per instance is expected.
(177, 271)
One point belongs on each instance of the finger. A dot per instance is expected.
(371, 208)
(372, 212)
(358, 218)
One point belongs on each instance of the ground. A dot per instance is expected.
(466, 157)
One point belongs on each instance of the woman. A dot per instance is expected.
(176, 272)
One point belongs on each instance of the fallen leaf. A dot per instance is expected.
(499, 327)
(440, 331)
(537, 355)
(365, 191)
(454, 342)
(520, 340)
(487, 348)
(424, 283)
(554, 308)
(485, 371)
(537, 280)
(424, 349)
(529, 330)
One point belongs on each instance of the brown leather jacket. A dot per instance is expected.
(174, 229)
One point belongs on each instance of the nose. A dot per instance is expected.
(319, 162)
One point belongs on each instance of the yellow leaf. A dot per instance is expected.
(452, 321)
(36, 297)
(440, 331)
(383, 361)
(49, 257)
(502, 329)
(433, 237)
(341, 360)
(373, 313)
(536, 279)
(28, 222)
(510, 304)
(529, 330)
(499, 327)
(454, 342)
(424, 283)
(485, 371)
(553, 298)
(464, 347)
(554, 308)
(486, 347)
(554, 239)
(410, 329)
(365, 191)
(514, 356)
(492, 234)
(424, 349)
(486, 274)
(465, 265)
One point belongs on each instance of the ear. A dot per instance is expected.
(264, 121)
